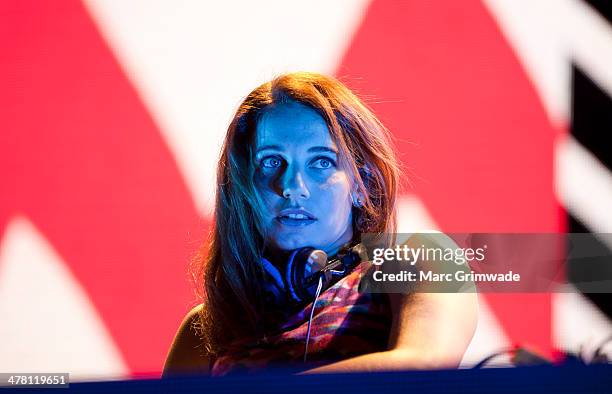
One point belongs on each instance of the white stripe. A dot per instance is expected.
(547, 35)
(48, 323)
(578, 323)
(584, 185)
(589, 39)
(193, 61)
(534, 30)
(413, 216)
(488, 339)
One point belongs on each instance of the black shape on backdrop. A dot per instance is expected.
(603, 7)
(591, 126)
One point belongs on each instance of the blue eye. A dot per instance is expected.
(323, 163)
(271, 162)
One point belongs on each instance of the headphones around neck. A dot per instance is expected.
(298, 283)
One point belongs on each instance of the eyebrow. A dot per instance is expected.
(269, 147)
(313, 149)
(323, 149)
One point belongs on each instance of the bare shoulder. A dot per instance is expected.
(437, 325)
(187, 355)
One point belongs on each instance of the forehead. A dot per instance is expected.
(292, 125)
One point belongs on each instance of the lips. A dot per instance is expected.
(296, 217)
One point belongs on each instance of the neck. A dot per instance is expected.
(333, 252)
(279, 257)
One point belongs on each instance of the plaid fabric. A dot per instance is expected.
(345, 324)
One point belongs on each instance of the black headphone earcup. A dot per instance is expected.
(302, 271)
(299, 281)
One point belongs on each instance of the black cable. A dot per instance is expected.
(492, 356)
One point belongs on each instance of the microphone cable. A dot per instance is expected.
(314, 304)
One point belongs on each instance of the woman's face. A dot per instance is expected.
(307, 195)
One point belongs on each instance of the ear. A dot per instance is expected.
(357, 196)
(357, 199)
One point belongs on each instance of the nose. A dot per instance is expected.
(293, 185)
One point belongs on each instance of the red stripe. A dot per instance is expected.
(82, 158)
(469, 125)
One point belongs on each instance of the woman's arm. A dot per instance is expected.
(186, 355)
(429, 330)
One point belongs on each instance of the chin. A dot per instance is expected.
(287, 244)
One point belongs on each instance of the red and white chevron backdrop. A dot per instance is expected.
(112, 118)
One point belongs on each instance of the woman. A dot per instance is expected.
(306, 164)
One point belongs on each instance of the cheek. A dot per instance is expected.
(336, 191)
(261, 181)
(264, 187)
(336, 183)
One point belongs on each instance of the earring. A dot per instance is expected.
(357, 203)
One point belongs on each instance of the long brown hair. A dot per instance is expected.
(227, 269)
